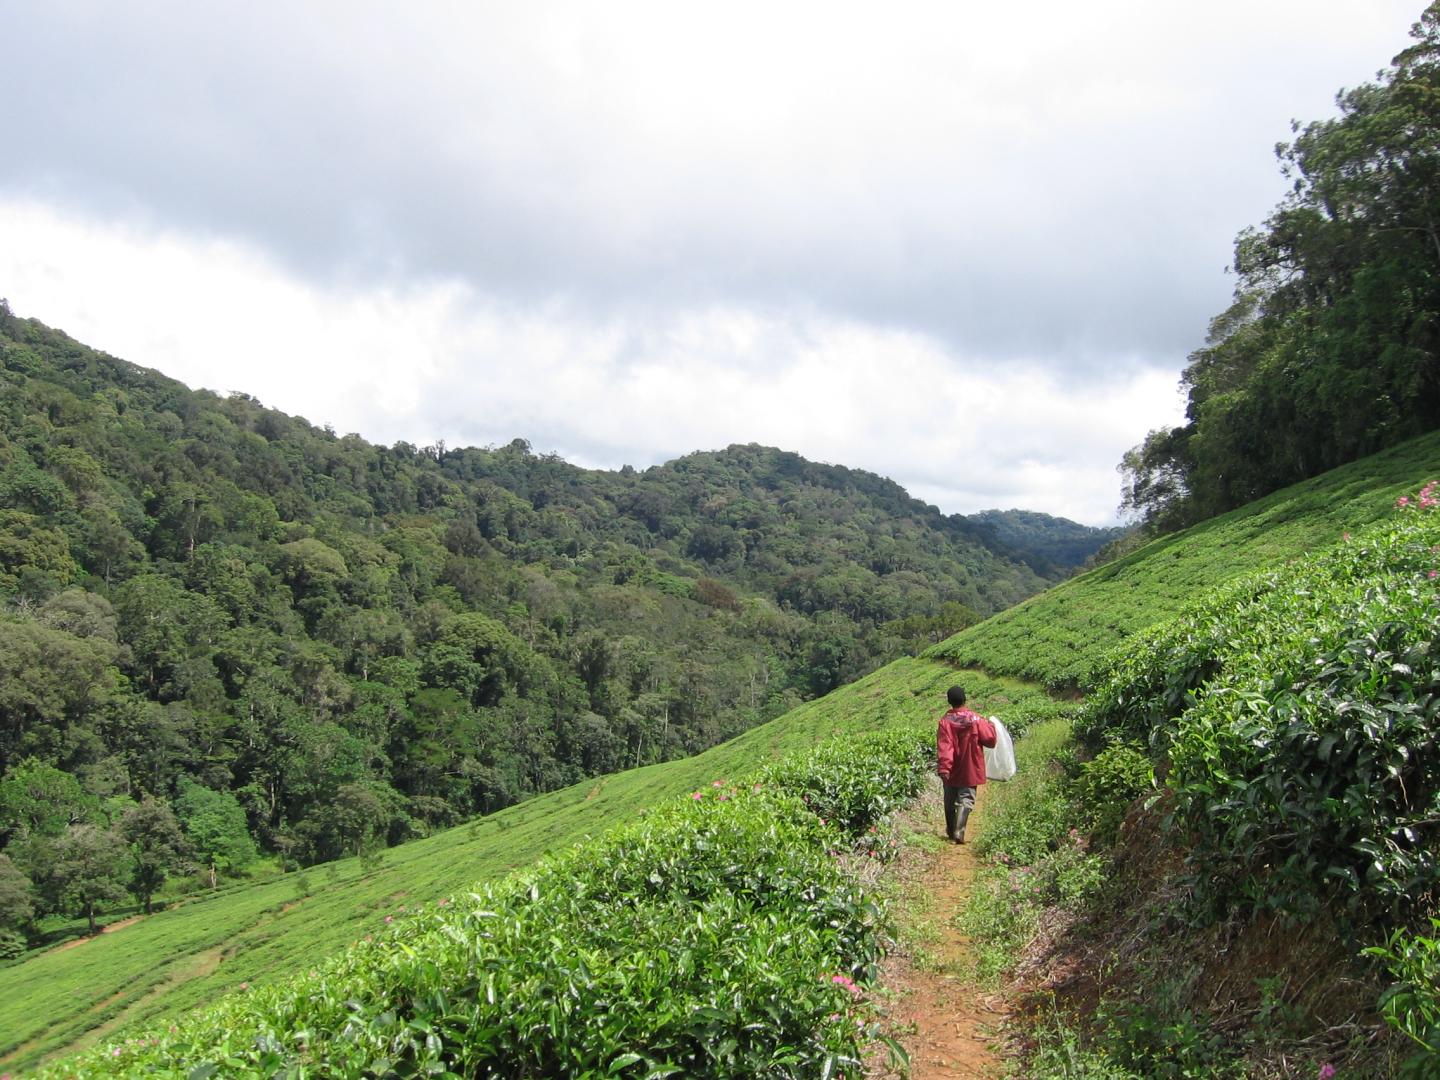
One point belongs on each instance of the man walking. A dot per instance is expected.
(960, 754)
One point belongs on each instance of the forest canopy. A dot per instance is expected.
(226, 632)
(1329, 349)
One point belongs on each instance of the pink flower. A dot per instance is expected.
(1434, 574)
(717, 783)
(721, 797)
(845, 981)
(1326, 1071)
(697, 795)
(1403, 501)
(389, 918)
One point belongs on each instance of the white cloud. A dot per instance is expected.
(438, 362)
(967, 246)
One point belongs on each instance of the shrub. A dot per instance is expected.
(719, 937)
(1297, 712)
(1106, 786)
(1030, 831)
(856, 783)
(1412, 1004)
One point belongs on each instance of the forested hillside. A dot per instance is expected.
(1331, 348)
(227, 632)
(147, 973)
(1046, 541)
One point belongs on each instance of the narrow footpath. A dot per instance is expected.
(950, 1027)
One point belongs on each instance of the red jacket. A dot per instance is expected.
(958, 743)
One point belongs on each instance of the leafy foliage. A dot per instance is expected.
(269, 928)
(1297, 712)
(1047, 541)
(1062, 637)
(1330, 349)
(1412, 1004)
(1106, 786)
(720, 937)
(350, 645)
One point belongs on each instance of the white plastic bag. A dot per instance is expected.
(1000, 759)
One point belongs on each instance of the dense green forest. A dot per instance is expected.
(227, 632)
(1331, 348)
(1059, 543)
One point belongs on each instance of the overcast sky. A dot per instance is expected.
(967, 246)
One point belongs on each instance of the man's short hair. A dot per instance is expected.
(956, 696)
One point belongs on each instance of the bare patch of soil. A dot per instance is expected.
(949, 1026)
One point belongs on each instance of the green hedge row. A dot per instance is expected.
(720, 937)
(1297, 713)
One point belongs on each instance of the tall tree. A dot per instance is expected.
(1331, 350)
(88, 869)
(158, 848)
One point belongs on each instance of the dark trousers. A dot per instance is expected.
(959, 801)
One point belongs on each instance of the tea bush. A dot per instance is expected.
(1297, 713)
(1060, 638)
(854, 785)
(1106, 786)
(1412, 1004)
(719, 937)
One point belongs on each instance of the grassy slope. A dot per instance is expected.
(1060, 637)
(260, 932)
(192, 953)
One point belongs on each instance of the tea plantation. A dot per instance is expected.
(495, 948)
(1061, 637)
(250, 935)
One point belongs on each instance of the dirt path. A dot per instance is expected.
(109, 928)
(194, 967)
(948, 1026)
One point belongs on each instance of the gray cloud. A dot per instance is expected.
(626, 231)
(1062, 186)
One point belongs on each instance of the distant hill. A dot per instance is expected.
(1045, 542)
(336, 646)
